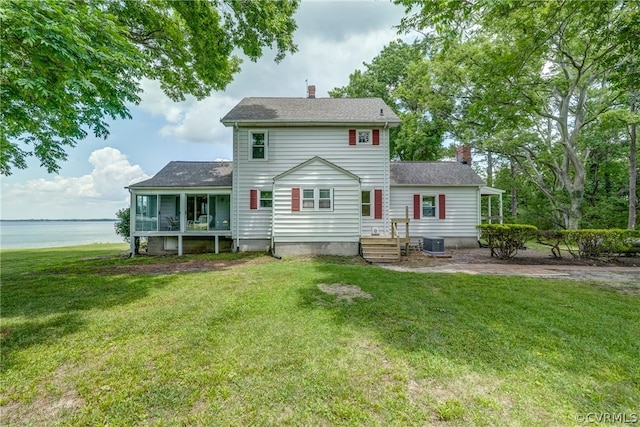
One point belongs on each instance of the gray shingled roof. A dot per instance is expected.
(191, 174)
(433, 173)
(299, 111)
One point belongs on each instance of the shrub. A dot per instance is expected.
(505, 239)
(599, 243)
(123, 227)
(552, 238)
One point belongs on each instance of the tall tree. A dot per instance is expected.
(535, 78)
(625, 76)
(68, 66)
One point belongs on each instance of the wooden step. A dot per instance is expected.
(378, 240)
(380, 249)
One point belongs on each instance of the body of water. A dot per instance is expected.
(48, 234)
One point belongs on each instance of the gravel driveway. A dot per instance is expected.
(623, 274)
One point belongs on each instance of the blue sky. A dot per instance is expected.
(334, 38)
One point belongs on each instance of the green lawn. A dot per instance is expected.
(89, 340)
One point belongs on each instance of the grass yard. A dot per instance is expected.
(92, 339)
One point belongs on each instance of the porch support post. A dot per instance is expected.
(132, 223)
(179, 244)
(217, 244)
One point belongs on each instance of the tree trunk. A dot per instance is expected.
(489, 168)
(633, 167)
(514, 198)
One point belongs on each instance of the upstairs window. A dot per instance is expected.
(258, 141)
(364, 137)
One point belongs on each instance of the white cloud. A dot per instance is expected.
(156, 102)
(334, 39)
(200, 122)
(96, 195)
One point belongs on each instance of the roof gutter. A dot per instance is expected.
(306, 123)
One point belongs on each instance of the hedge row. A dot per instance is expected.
(504, 240)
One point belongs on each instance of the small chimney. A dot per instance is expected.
(311, 91)
(463, 154)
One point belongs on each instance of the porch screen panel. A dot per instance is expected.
(220, 211)
(198, 217)
(169, 213)
(146, 213)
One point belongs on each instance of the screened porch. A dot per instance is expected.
(182, 213)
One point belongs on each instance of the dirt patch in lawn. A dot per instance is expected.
(172, 264)
(344, 292)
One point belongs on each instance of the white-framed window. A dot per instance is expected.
(366, 203)
(317, 198)
(429, 206)
(258, 145)
(325, 201)
(308, 198)
(266, 199)
(364, 136)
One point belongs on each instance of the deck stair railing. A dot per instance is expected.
(386, 249)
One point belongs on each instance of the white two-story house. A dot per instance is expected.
(309, 175)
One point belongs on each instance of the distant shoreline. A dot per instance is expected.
(62, 220)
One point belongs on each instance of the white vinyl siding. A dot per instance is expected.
(338, 224)
(289, 147)
(461, 211)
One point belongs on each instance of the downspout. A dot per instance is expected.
(234, 188)
(387, 185)
(132, 224)
(272, 246)
(478, 211)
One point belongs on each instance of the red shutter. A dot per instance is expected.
(352, 137)
(376, 137)
(295, 199)
(253, 203)
(378, 204)
(416, 206)
(441, 207)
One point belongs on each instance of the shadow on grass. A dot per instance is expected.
(505, 325)
(50, 308)
(45, 291)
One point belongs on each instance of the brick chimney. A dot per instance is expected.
(463, 154)
(311, 91)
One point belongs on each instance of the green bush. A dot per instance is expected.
(505, 239)
(552, 238)
(123, 227)
(599, 243)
